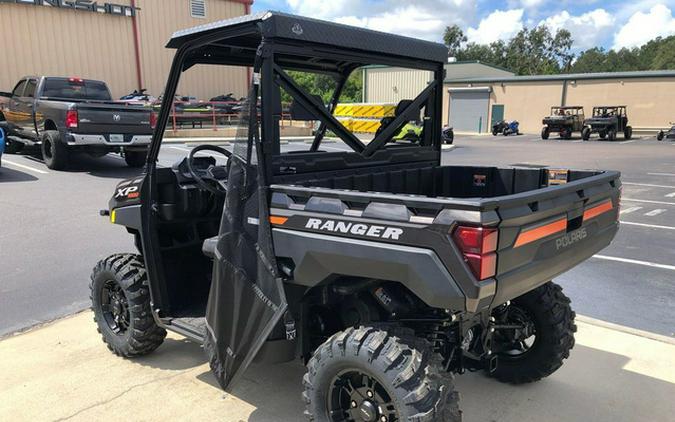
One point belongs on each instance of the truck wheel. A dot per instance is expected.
(369, 374)
(567, 134)
(660, 136)
(602, 134)
(536, 352)
(544, 133)
(54, 152)
(586, 133)
(135, 158)
(627, 133)
(611, 135)
(120, 299)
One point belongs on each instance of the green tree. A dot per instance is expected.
(324, 86)
(454, 38)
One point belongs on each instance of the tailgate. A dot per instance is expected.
(116, 119)
(546, 232)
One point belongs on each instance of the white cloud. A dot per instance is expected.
(498, 25)
(531, 4)
(588, 30)
(425, 20)
(643, 27)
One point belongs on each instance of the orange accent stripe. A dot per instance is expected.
(278, 220)
(598, 209)
(537, 233)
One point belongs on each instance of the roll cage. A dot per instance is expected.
(273, 43)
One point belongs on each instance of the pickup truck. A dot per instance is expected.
(63, 115)
(384, 270)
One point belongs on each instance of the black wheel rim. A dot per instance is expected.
(517, 342)
(115, 307)
(356, 396)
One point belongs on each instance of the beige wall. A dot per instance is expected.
(157, 20)
(43, 40)
(526, 102)
(393, 84)
(650, 101)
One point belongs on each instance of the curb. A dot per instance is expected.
(626, 330)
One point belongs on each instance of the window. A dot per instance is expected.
(18, 89)
(75, 89)
(30, 88)
(198, 8)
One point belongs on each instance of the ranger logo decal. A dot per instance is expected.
(359, 229)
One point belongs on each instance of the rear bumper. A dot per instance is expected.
(75, 139)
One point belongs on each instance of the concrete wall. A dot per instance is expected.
(63, 42)
(649, 100)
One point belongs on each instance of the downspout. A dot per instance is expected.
(137, 47)
(563, 99)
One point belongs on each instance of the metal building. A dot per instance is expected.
(118, 41)
(472, 104)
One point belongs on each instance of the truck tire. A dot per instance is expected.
(602, 134)
(660, 135)
(358, 372)
(544, 133)
(120, 300)
(628, 133)
(54, 152)
(566, 134)
(611, 135)
(135, 159)
(553, 319)
(586, 133)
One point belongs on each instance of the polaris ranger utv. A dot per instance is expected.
(607, 121)
(563, 120)
(384, 270)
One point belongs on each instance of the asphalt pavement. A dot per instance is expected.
(51, 234)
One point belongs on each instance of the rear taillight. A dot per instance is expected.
(478, 246)
(71, 119)
(153, 119)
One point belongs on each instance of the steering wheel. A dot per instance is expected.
(200, 181)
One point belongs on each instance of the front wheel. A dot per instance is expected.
(544, 133)
(586, 133)
(628, 133)
(120, 299)
(543, 340)
(368, 374)
(54, 152)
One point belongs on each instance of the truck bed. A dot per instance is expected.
(544, 230)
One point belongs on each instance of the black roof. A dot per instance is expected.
(249, 30)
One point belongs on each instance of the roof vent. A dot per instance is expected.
(198, 8)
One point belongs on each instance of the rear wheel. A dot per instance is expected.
(586, 133)
(120, 299)
(135, 158)
(566, 134)
(538, 349)
(628, 133)
(367, 374)
(54, 152)
(611, 135)
(544, 133)
(602, 134)
(660, 136)
(495, 131)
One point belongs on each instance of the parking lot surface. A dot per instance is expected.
(52, 234)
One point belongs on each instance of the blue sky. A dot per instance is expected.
(608, 24)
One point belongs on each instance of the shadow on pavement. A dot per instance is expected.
(8, 174)
(593, 385)
(174, 354)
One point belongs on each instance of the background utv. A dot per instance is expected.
(383, 270)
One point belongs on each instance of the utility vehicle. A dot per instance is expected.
(607, 121)
(64, 115)
(669, 134)
(564, 121)
(384, 270)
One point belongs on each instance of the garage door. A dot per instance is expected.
(469, 109)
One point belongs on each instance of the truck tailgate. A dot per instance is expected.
(546, 232)
(112, 118)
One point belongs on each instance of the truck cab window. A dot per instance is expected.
(18, 89)
(30, 88)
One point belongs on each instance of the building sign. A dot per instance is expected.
(86, 5)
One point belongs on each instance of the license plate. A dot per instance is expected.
(118, 139)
